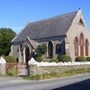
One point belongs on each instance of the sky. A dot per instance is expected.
(16, 14)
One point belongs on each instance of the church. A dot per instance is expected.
(62, 34)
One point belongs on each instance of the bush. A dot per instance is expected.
(10, 59)
(87, 58)
(53, 60)
(39, 59)
(80, 59)
(40, 50)
(59, 58)
(64, 58)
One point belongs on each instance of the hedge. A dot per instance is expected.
(39, 59)
(64, 58)
(80, 59)
(10, 59)
(87, 58)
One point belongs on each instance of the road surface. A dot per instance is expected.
(79, 82)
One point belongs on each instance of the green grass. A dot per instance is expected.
(57, 75)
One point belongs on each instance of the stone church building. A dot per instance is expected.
(63, 34)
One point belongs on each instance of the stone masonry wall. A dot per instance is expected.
(56, 69)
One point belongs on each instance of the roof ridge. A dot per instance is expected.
(53, 17)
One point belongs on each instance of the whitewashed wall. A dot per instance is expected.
(33, 62)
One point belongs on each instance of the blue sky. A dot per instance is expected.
(16, 14)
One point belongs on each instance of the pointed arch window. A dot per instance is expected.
(50, 49)
(76, 46)
(81, 22)
(81, 44)
(86, 47)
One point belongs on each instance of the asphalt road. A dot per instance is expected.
(80, 82)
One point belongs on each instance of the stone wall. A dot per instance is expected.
(56, 69)
(2, 69)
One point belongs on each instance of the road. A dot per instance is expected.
(79, 82)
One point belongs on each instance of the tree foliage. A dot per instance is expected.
(40, 50)
(6, 35)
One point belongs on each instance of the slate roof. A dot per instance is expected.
(33, 43)
(55, 26)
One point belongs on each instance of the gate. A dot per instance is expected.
(14, 69)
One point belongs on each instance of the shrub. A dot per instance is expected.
(80, 59)
(64, 58)
(59, 58)
(87, 58)
(54, 60)
(10, 59)
(39, 59)
(40, 50)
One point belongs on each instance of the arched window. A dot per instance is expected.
(86, 47)
(50, 49)
(81, 44)
(81, 22)
(76, 46)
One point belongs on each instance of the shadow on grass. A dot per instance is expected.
(83, 85)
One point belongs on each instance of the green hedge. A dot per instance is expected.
(80, 59)
(54, 60)
(64, 58)
(39, 59)
(87, 58)
(10, 59)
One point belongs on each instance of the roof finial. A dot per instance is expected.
(79, 8)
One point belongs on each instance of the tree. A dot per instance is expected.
(6, 35)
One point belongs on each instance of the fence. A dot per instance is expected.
(14, 69)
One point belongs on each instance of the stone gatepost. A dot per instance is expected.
(2, 69)
(2, 66)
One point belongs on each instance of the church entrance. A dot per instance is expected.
(28, 57)
(27, 54)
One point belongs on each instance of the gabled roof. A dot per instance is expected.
(33, 43)
(55, 26)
